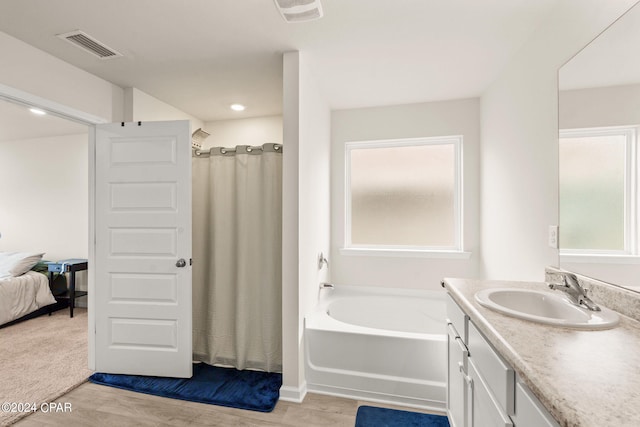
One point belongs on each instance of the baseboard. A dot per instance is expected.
(293, 394)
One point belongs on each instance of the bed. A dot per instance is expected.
(22, 291)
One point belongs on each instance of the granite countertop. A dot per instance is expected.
(583, 378)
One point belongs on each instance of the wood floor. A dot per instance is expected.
(95, 405)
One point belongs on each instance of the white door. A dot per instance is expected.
(143, 249)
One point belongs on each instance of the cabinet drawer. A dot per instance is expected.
(529, 410)
(497, 374)
(457, 318)
(485, 411)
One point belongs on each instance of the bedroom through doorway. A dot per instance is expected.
(44, 208)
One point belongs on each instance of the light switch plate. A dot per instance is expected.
(553, 236)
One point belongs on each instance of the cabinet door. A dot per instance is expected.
(529, 410)
(456, 378)
(485, 411)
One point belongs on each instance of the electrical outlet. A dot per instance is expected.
(553, 236)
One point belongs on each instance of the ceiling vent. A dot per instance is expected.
(299, 10)
(89, 44)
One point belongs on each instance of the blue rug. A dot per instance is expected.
(253, 390)
(369, 416)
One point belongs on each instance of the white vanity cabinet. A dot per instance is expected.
(482, 388)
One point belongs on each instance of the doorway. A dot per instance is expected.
(44, 209)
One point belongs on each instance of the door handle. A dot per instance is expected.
(181, 263)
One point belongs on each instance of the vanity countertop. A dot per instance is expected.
(583, 378)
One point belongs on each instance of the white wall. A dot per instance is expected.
(519, 151)
(249, 131)
(45, 196)
(292, 376)
(314, 188)
(457, 117)
(599, 107)
(306, 120)
(38, 73)
(140, 106)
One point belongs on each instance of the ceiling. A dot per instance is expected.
(202, 55)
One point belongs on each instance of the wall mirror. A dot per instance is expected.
(599, 122)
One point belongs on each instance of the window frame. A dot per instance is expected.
(453, 251)
(630, 220)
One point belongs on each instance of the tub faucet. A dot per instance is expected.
(325, 285)
(576, 293)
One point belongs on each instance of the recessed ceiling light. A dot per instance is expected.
(37, 111)
(237, 107)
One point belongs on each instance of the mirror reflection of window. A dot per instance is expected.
(596, 173)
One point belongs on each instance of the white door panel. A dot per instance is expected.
(143, 227)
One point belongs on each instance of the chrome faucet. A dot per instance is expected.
(576, 293)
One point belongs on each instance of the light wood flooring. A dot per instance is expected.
(96, 405)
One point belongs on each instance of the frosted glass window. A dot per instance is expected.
(592, 192)
(404, 195)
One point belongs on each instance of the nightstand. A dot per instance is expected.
(68, 266)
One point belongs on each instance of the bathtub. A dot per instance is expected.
(378, 344)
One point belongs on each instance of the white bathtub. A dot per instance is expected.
(384, 345)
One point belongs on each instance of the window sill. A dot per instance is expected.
(406, 253)
(600, 258)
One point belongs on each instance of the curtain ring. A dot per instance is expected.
(249, 149)
(223, 151)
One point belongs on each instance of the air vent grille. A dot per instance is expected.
(299, 10)
(90, 44)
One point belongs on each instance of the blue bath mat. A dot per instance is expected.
(369, 416)
(253, 390)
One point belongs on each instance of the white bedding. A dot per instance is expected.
(23, 294)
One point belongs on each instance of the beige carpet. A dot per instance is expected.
(41, 359)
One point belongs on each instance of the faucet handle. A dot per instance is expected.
(571, 280)
(558, 285)
(322, 261)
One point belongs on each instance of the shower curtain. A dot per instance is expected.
(237, 257)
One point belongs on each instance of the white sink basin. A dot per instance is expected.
(548, 307)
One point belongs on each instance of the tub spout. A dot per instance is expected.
(325, 285)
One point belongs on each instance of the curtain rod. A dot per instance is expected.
(239, 149)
